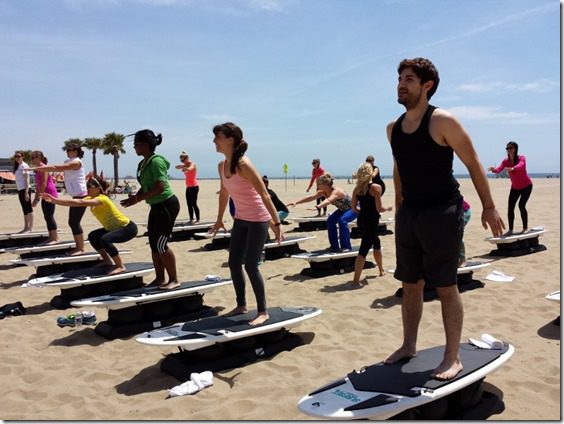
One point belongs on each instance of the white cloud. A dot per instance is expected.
(490, 113)
(540, 86)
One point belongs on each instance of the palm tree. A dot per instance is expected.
(94, 144)
(112, 144)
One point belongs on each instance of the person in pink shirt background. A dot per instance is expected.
(254, 212)
(521, 184)
(188, 167)
(317, 172)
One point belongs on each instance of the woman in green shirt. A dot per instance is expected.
(152, 174)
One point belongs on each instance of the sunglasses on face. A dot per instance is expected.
(17, 156)
(509, 148)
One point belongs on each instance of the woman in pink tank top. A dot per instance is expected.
(254, 212)
(44, 184)
(192, 188)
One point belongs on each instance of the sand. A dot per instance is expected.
(73, 374)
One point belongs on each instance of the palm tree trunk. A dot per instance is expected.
(116, 176)
(95, 168)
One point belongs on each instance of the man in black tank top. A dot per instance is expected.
(429, 224)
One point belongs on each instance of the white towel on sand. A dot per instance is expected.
(500, 277)
(197, 382)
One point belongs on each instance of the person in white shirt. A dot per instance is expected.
(24, 190)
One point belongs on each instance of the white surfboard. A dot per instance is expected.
(127, 298)
(382, 391)
(288, 241)
(219, 235)
(531, 233)
(91, 275)
(554, 296)
(17, 236)
(326, 255)
(299, 219)
(62, 245)
(62, 259)
(204, 332)
(191, 227)
(471, 267)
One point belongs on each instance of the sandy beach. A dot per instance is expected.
(57, 373)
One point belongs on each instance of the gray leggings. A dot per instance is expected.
(245, 247)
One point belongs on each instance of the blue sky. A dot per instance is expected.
(303, 78)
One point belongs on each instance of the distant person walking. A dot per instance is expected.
(317, 172)
(521, 184)
(254, 212)
(75, 184)
(152, 174)
(188, 167)
(24, 190)
(44, 184)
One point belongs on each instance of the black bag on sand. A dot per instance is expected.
(12, 309)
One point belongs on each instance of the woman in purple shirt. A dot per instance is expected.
(44, 184)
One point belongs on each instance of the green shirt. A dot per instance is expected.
(150, 172)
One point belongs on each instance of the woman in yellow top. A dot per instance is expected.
(117, 228)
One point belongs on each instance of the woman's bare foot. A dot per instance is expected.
(117, 270)
(402, 353)
(155, 283)
(76, 252)
(447, 370)
(382, 272)
(237, 311)
(259, 319)
(104, 263)
(170, 285)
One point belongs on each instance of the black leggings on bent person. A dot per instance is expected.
(48, 210)
(161, 220)
(514, 195)
(104, 239)
(192, 202)
(245, 248)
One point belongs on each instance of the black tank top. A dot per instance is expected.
(378, 180)
(368, 213)
(424, 167)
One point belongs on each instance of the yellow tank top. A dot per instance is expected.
(108, 214)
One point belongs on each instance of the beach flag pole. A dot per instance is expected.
(285, 168)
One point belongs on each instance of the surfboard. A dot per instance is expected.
(30, 235)
(382, 223)
(531, 233)
(192, 227)
(218, 236)
(62, 259)
(204, 332)
(288, 241)
(23, 250)
(91, 275)
(127, 298)
(554, 296)
(299, 219)
(326, 255)
(382, 391)
(471, 267)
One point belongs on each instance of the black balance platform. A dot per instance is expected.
(20, 240)
(382, 231)
(279, 252)
(333, 267)
(44, 270)
(465, 282)
(314, 225)
(62, 300)
(228, 355)
(518, 247)
(137, 319)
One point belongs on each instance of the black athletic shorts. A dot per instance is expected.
(428, 241)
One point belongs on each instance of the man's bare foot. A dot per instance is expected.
(117, 270)
(155, 283)
(170, 285)
(401, 353)
(447, 370)
(259, 319)
(237, 311)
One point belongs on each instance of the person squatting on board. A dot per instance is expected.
(339, 241)
(521, 185)
(152, 174)
(429, 224)
(368, 196)
(254, 213)
(116, 227)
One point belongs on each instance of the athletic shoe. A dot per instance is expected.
(67, 321)
(88, 317)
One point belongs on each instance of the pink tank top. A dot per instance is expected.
(248, 203)
(191, 180)
(49, 187)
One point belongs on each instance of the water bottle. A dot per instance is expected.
(78, 319)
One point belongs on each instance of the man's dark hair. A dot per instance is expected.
(424, 69)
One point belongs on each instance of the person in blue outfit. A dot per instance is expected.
(340, 241)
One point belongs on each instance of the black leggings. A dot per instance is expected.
(514, 195)
(245, 247)
(75, 216)
(25, 204)
(161, 220)
(192, 202)
(104, 239)
(369, 232)
(49, 215)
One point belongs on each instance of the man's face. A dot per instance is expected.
(410, 89)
